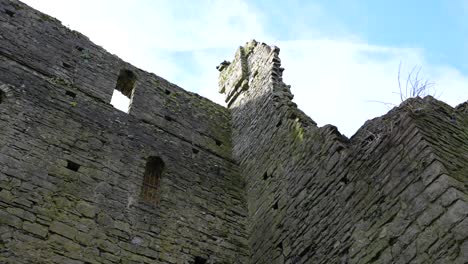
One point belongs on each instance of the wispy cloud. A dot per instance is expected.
(334, 74)
(342, 82)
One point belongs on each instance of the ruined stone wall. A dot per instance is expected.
(72, 167)
(256, 183)
(396, 192)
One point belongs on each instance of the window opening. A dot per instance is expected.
(71, 94)
(121, 98)
(275, 205)
(9, 12)
(199, 260)
(2, 96)
(66, 65)
(73, 165)
(152, 179)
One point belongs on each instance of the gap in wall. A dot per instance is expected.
(120, 101)
(123, 92)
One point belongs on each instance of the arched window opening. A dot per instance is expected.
(152, 180)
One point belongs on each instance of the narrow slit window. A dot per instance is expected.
(121, 98)
(2, 96)
(66, 65)
(152, 180)
(275, 206)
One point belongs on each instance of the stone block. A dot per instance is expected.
(63, 229)
(36, 229)
(9, 219)
(86, 209)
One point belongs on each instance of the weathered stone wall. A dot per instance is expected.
(396, 192)
(256, 183)
(72, 166)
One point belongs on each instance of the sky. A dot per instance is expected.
(341, 57)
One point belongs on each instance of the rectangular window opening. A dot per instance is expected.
(71, 94)
(73, 165)
(218, 142)
(9, 12)
(121, 98)
(152, 179)
(200, 260)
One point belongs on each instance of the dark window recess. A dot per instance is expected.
(218, 143)
(293, 116)
(79, 48)
(167, 92)
(279, 123)
(71, 94)
(344, 180)
(126, 82)
(339, 149)
(195, 151)
(2, 96)
(265, 176)
(280, 246)
(392, 241)
(168, 118)
(73, 165)
(370, 138)
(200, 260)
(152, 179)
(275, 206)
(66, 65)
(9, 12)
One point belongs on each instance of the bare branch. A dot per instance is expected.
(414, 86)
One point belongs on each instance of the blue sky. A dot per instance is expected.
(340, 55)
(437, 26)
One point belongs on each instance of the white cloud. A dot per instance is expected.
(144, 32)
(333, 79)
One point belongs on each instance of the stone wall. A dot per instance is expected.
(72, 166)
(396, 192)
(257, 182)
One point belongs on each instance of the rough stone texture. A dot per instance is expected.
(396, 192)
(57, 86)
(257, 182)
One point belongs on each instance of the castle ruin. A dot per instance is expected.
(180, 179)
